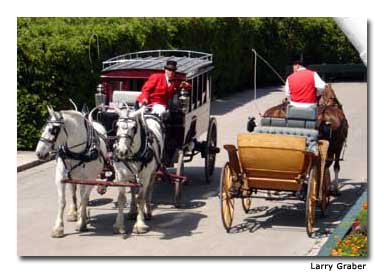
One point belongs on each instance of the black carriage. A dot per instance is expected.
(188, 117)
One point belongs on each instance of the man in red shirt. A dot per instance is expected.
(303, 85)
(159, 88)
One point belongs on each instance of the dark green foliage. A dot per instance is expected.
(60, 58)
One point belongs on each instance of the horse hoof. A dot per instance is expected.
(81, 228)
(119, 230)
(140, 229)
(132, 216)
(72, 217)
(57, 233)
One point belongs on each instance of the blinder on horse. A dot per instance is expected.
(54, 130)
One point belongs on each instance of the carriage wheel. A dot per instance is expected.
(210, 154)
(179, 184)
(246, 200)
(226, 200)
(310, 205)
(325, 196)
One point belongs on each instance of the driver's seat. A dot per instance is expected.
(301, 117)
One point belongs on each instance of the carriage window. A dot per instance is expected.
(194, 93)
(199, 90)
(116, 84)
(135, 84)
(209, 86)
(204, 87)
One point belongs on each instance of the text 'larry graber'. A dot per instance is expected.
(338, 266)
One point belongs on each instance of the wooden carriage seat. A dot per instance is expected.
(276, 157)
(129, 97)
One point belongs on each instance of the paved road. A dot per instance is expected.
(273, 228)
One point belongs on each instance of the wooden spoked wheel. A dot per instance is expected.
(310, 205)
(246, 201)
(210, 150)
(226, 200)
(325, 196)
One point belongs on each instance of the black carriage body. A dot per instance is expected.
(126, 74)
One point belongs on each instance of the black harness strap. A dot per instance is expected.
(90, 153)
(146, 152)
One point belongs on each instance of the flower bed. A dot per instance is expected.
(355, 243)
(350, 238)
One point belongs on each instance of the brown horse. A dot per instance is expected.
(329, 97)
(329, 115)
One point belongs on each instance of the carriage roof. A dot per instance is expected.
(190, 63)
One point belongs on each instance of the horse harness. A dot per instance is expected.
(146, 152)
(90, 153)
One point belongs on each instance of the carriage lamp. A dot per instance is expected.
(100, 95)
(184, 100)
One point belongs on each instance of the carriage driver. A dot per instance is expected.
(159, 88)
(303, 86)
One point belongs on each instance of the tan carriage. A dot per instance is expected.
(275, 158)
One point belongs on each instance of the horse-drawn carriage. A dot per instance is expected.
(284, 154)
(119, 144)
(188, 116)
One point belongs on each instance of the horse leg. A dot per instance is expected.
(148, 199)
(58, 228)
(72, 213)
(132, 214)
(84, 199)
(336, 167)
(140, 226)
(119, 227)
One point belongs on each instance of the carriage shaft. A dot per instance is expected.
(98, 182)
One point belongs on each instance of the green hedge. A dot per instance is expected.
(60, 58)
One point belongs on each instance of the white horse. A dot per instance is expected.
(138, 152)
(81, 152)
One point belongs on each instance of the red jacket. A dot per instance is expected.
(302, 86)
(155, 90)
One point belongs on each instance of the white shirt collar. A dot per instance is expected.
(167, 79)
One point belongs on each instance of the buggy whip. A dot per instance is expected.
(251, 120)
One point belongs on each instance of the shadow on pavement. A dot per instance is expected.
(167, 222)
(291, 214)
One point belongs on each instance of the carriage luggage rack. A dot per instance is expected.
(188, 62)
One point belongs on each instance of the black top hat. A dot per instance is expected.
(171, 65)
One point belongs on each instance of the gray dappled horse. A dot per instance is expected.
(138, 151)
(81, 152)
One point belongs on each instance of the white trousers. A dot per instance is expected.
(158, 109)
